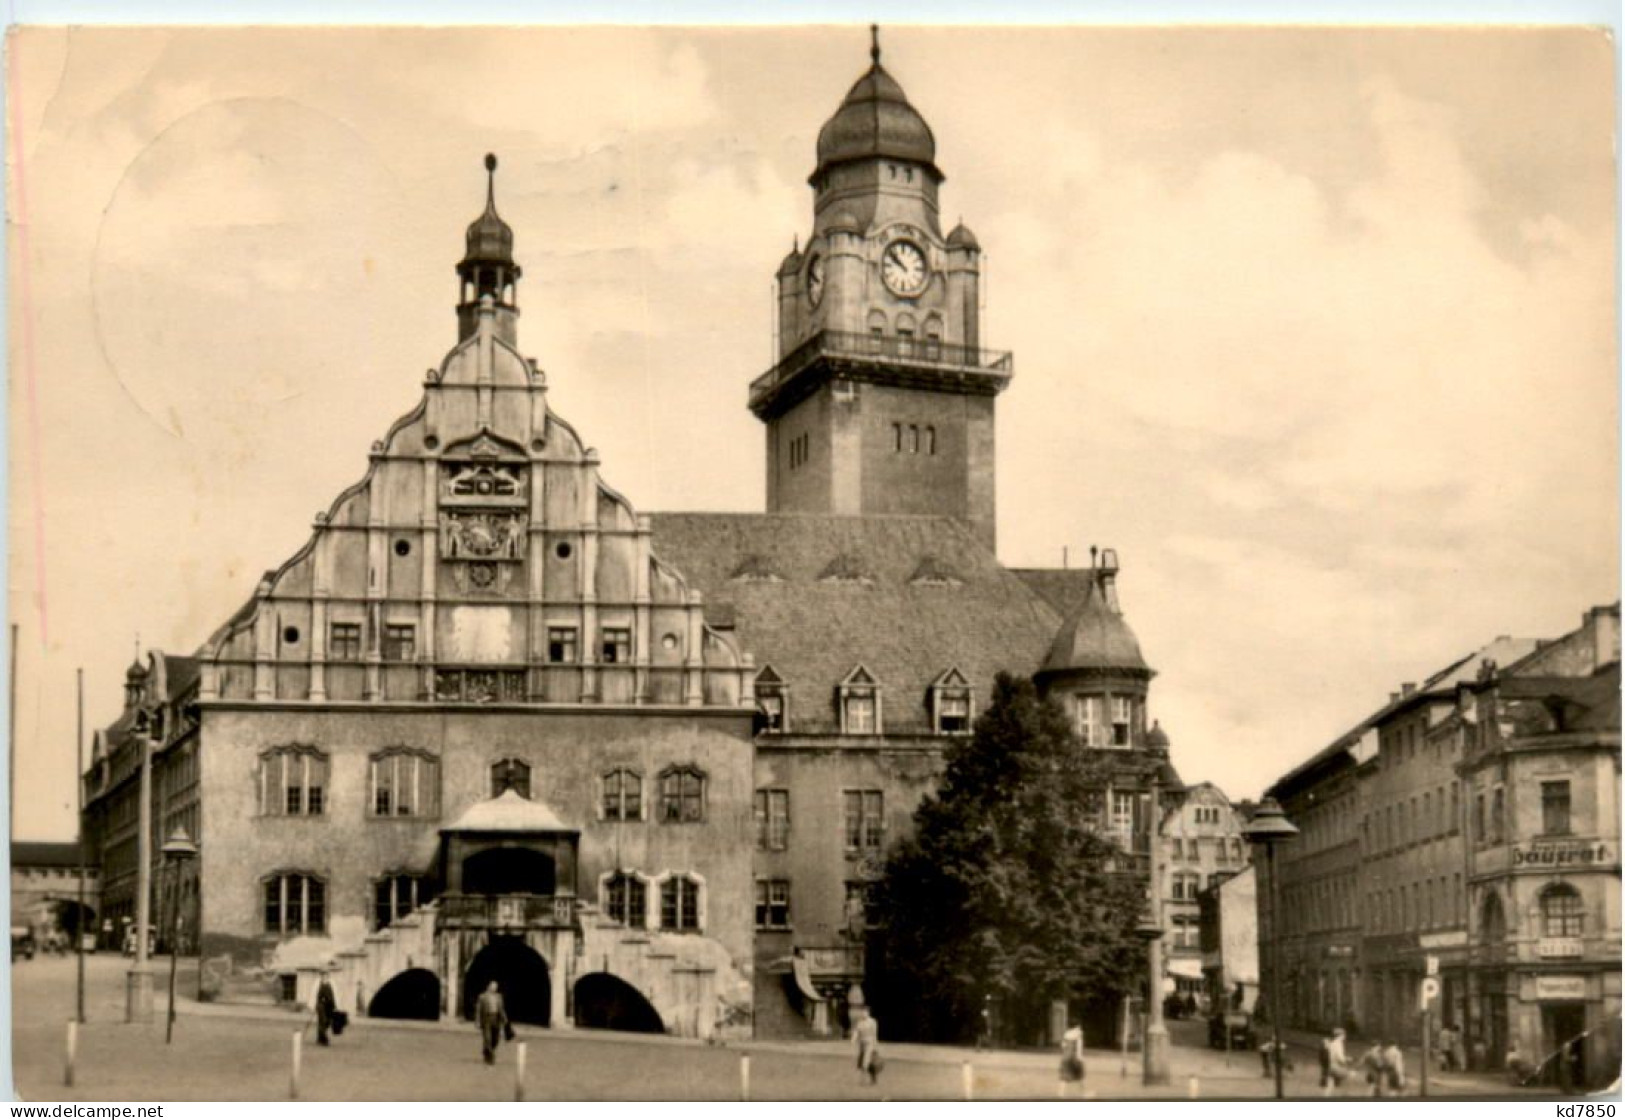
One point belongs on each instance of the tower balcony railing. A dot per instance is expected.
(891, 349)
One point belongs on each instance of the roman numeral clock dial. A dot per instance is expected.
(902, 267)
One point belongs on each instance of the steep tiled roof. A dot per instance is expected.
(848, 594)
(1577, 703)
(1065, 589)
(1095, 637)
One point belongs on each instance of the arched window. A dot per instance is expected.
(1492, 921)
(510, 773)
(682, 794)
(680, 904)
(293, 782)
(295, 904)
(626, 899)
(404, 783)
(772, 701)
(397, 895)
(623, 796)
(1562, 912)
(877, 329)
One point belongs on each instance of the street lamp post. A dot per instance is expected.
(1268, 828)
(138, 990)
(178, 849)
(1154, 1055)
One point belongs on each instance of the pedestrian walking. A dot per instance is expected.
(1371, 1062)
(1072, 1069)
(1446, 1045)
(326, 1004)
(492, 1015)
(1334, 1063)
(1393, 1067)
(866, 1039)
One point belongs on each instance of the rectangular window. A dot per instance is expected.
(1554, 808)
(860, 712)
(1177, 849)
(1455, 808)
(400, 642)
(1497, 812)
(1088, 720)
(771, 704)
(860, 909)
(345, 642)
(561, 645)
(617, 645)
(772, 819)
(864, 818)
(1122, 720)
(1123, 813)
(627, 901)
(772, 904)
(953, 712)
(680, 904)
(1480, 821)
(682, 796)
(623, 796)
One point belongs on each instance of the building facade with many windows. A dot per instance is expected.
(491, 721)
(1469, 828)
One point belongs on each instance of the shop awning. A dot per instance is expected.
(1186, 968)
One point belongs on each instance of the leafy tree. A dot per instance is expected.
(1004, 890)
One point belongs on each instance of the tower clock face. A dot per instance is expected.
(815, 280)
(902, 267)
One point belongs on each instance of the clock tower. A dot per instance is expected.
(882, 399)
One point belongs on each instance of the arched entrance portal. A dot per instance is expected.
(71, 917)
(509, 871)
(413, 994)
(522, 978)
(610, 1003)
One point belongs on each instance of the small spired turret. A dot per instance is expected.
(488, 268)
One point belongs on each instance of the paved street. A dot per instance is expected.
(239, 1053)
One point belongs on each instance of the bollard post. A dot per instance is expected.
(293, 1075)
(1194, 1089)
(967, 1077)
(519, 1071)
(73, 1048)
(744, 1077)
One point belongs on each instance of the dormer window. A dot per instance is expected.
(772, 702)
(858, 698)
(950, 704)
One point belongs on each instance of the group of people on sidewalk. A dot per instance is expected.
(1382, 1066)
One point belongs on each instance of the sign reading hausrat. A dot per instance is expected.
(1561, 853)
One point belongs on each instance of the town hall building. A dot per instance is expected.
(494, 722)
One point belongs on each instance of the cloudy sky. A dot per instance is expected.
(1316, 327)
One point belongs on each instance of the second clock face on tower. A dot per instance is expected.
(815, 280)
(902, 268)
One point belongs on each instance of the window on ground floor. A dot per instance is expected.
(295, 904)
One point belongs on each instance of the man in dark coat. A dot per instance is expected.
(326, 1004)
(492, 1016)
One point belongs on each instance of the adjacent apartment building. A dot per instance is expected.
(1469, 828)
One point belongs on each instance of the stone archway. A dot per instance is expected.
(522, 976)
(411, 994)
(606, 1002)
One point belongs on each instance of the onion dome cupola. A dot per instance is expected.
(1095, 638)
(1157, 738)
(960, 237)
(488, 267)
(135, 684)
(876, 121)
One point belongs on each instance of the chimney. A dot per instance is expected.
(1393, 698)
(1604, 624)
(1407, 688)
(1106, 572)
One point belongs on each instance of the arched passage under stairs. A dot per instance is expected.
(521, 975)
(607, 1002)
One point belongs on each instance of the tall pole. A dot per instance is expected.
(1275, 972)
(138, 1000)
(79, 785)
(174, 946)
(1155, 1056)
